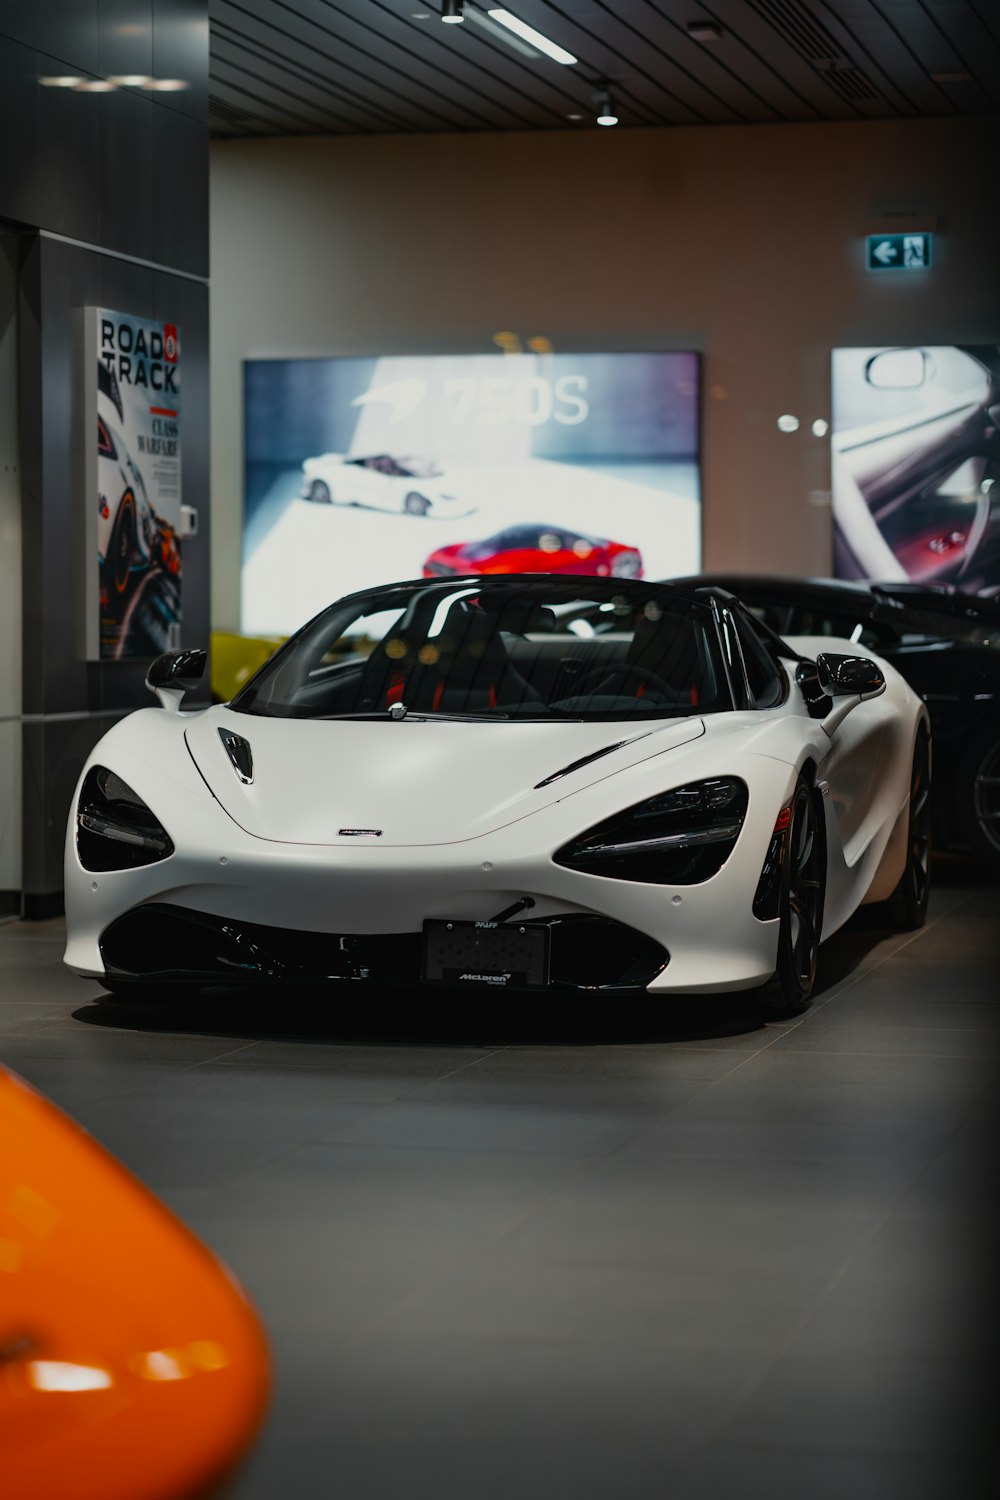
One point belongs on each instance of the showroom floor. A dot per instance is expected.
(666, 1252)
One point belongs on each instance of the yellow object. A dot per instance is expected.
(235, 658)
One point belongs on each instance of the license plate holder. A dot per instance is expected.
(503, 955)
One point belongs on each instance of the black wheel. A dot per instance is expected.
(122, 544)
(907, 906)
(979, 791)
(416, 505)
(803, 886)
(320, 493)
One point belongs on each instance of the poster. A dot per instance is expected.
(134, 381)
(361, 472)
(916, 464)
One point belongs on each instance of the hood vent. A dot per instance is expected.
(239, 752)
(575, 765)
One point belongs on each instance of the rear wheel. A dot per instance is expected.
(907, 905)
(416, 505)
(803, 885)
(979, 791)
(319, 492)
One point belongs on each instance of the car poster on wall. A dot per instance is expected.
(916, 465)
(367, 471)
(134, 381)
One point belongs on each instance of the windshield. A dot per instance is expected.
(499, 649)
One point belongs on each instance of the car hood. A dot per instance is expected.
(417, 781)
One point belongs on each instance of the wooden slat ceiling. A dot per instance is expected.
(338, 67)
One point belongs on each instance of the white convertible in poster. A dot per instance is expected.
(136, 504)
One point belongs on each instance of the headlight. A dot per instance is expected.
(681, 837)
(115, 830)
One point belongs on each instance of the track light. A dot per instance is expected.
(452, 12)
(606, 112)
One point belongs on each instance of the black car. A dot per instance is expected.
(946, 645)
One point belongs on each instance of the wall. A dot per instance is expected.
(743, 242)
(107, 193)
(10, 586)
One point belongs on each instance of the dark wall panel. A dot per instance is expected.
(127, 183)
(125, 169)
(180, 192)
(19, 199)
(124, 172)
(125, 43)
(66, 28)
(180, 50)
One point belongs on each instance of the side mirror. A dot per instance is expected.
(170, 676)
(843, 676)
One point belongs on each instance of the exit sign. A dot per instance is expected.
(899, 252)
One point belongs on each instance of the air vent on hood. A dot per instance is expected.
(585, 760)
(239, 752)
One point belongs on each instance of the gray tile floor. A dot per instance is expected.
(663, 1251)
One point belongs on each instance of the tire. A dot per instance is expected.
(803, 888)
(121, 545)
(979, 794)
(416, 505)
(625, 565)
(906, 908)
(319, 493)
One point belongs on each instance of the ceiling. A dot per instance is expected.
(338, 67)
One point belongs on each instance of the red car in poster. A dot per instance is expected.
(536, 549)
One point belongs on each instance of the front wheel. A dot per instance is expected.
(907, 905)
(416, 505)
(319, 493)
(803, 886)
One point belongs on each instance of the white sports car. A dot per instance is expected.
(583, 785)
(406, 486)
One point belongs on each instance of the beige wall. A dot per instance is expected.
(743, 242)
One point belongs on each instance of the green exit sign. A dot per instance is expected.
(899, 252)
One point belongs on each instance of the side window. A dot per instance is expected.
(763, 673)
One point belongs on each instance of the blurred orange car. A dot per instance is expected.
(131, 1365)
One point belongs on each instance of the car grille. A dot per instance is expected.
(160, 943)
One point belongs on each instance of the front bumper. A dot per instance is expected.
(310, 900)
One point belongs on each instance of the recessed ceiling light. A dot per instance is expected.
(704, 31)
(574, 117)
(420, 15)
(130, 80)
(788, 423)
(532, 37)
(95, 86)
(955, 77)
(166, 85)
(62, 81)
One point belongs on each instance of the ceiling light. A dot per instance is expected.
(95, 86)
(452, 12)
(574, 117)
(788, 423)
(166, 85)
(820, 427)
(130, 80)
(704, 31)
(63, 81)
(606, 112)
(531, 36)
